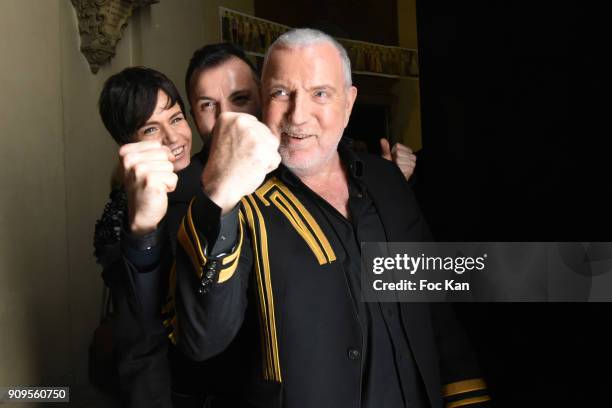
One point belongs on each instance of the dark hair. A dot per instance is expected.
(213, 55)
(128, 100)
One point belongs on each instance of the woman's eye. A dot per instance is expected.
(177, 119)
(149, 130)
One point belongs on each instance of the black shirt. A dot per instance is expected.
(390, 377)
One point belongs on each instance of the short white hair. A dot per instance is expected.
(303, 37)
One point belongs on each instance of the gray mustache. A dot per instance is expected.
(295, 131)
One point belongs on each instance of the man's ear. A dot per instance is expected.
(351, 95)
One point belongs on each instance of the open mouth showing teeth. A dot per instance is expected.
(178, 151)
(296, 135)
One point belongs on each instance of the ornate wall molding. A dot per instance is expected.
(101, 24)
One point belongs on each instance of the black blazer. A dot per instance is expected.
(278, 309)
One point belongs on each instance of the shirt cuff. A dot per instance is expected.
(228, 233)
(143, 251)
(220, 232)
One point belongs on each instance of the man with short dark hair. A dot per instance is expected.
(220, 78)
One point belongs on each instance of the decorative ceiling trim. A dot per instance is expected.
(101, 24)
(255, 35)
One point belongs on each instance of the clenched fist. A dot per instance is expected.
(401, 155)
(148, 176)
(243, 150)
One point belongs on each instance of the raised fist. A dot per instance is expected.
(148, 176)
(401, 155)
(243, 150)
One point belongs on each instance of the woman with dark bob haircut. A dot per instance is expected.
(144, 113)
(136, 96)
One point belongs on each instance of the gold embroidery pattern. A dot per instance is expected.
(277, 193)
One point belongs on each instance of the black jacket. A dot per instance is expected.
(278, 309)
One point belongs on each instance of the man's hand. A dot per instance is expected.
(148, 176)
(401, 155)
(243, 150)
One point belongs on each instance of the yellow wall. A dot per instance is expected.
(406, 117)
(33, 262)
(56, 161)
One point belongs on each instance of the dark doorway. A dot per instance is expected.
(369, 123)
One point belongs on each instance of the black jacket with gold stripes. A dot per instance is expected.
(279, 315)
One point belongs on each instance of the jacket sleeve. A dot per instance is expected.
(462, 382)
(209, 284)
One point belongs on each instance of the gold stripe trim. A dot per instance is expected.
(311, 222)
(461, 387)
(468, 401)
(266, 349)
(288, 196)
(283, 205)
(227, 273)
(188, 246)
(268, 287)
(264, 188)
(194, 233)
